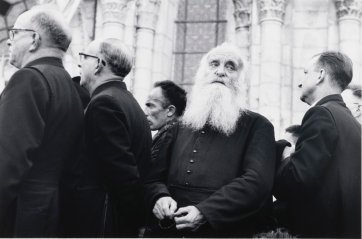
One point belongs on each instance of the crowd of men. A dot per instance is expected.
(81, 162)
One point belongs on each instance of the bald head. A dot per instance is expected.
(49, 24)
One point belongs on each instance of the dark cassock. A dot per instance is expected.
(228, 178)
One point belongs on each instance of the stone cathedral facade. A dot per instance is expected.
(169, 37)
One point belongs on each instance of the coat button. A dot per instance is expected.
(186, 183)
(202, 132)
(195, 151)
(188, 171)
(192, 161)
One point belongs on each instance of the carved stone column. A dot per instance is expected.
(349, 19)
(163, 41)
(271, 14)
(242, 16)
(114, 13)
(88, 15)
(147, 16)
(242, 24)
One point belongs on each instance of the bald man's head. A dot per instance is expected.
(49, 24)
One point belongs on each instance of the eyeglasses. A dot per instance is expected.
(12, 32)
(83, 56)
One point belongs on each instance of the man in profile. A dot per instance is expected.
(214, 176)
(321, 180)
(165, 105)
(41, 118)
(105, 197)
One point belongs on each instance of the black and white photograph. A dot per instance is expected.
(180, 118)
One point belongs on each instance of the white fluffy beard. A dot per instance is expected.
(215, 104)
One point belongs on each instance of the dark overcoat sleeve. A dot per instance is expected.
(109, 142)
(314, 149)
(156, 178)
(23, 107)
(248, 193)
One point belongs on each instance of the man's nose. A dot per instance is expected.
(220, 71)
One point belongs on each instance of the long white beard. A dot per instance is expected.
(215, 104)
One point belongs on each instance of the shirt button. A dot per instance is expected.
(192, 161)
(188, 171)
(195, 151)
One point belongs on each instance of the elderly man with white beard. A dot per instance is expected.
(214, 176)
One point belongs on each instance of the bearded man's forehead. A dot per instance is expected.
(223, 55)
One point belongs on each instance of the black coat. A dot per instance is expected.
(41, 118)
(158, 141)
(321, 181)
(105, 195)
(228, 178)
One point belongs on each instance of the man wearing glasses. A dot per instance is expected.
(41, 118)
(108, 200)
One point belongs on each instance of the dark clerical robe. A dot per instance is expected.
(228, 178)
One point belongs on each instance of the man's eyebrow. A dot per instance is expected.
(232, 62)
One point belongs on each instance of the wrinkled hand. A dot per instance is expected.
(189, 217)
(288, 151)
(164, 208)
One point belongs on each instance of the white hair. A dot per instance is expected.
(218, 105)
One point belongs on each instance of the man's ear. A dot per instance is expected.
(99, 67)
(36, 42)
(171, 111)
(322, 75)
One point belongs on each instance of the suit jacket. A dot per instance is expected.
(41, 119)
(228, 178)
(106, 197)
(321, 181)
